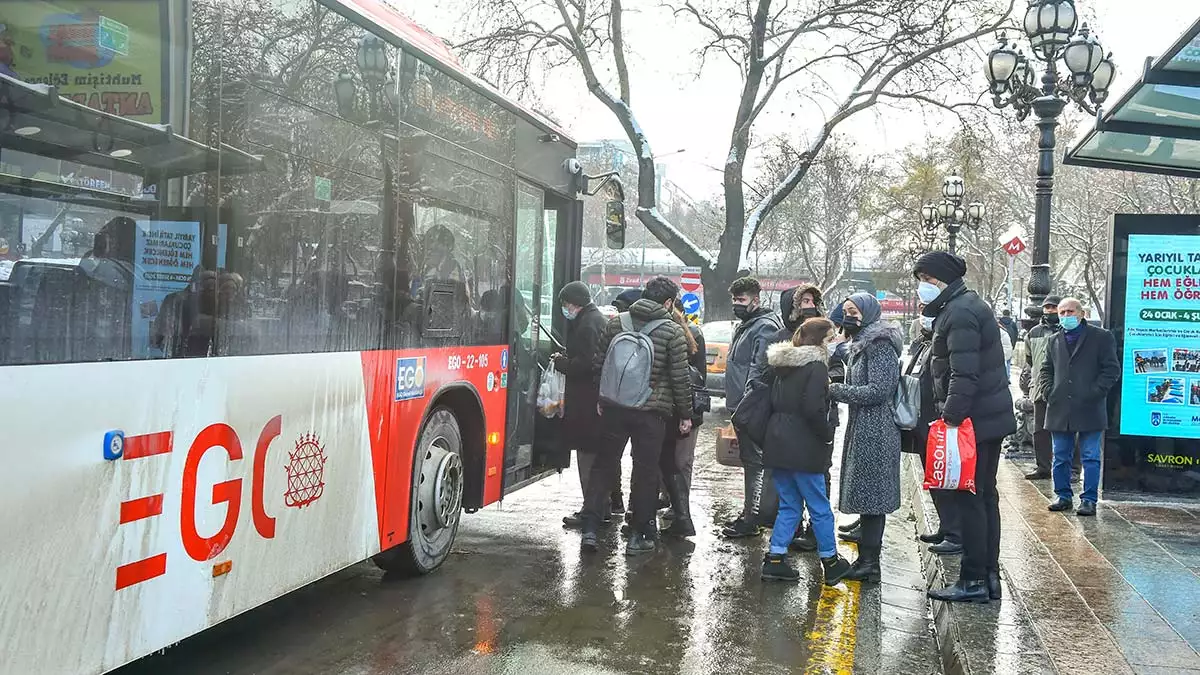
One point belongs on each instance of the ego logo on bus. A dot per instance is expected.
(305, 476)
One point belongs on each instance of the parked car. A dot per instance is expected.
(717, 335)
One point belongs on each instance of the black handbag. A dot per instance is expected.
(754, 411)
(701, 401)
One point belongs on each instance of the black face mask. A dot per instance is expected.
(809, 312)
(851, 325)
(741, 311)
(1050, 319)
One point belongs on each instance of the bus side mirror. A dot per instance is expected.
(614, 223)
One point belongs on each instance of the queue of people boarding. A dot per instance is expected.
(637, 380)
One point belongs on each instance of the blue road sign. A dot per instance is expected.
(691, 303)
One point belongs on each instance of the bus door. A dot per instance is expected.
(531, 451)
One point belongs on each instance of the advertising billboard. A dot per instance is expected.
(1160, 390)
(108, 55)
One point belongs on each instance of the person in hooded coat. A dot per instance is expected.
(970, 382)
(797, 305)
(798, 448)
(870, 475)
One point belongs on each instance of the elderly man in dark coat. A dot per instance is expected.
(870, 475)
(1081, 366)
(970, 382)
(581, 422)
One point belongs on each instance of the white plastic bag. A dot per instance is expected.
(551, 393)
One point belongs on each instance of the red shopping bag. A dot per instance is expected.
(950, 457)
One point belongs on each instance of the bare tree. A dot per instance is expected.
(589, 35)
(821, 223)
(848, 54)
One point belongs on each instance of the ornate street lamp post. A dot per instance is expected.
(1054, 37)
(950, 213)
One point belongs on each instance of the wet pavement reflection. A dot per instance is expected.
(517, 596)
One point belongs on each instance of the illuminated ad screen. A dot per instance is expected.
(1160, 386)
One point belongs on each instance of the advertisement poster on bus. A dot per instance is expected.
(166, 255)
(108, 55)
(1160, 387)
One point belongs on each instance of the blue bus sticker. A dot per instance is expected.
(410, 378)
(504, 360)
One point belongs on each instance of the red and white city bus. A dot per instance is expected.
(275, 279)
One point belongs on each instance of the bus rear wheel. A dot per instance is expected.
(436, 499)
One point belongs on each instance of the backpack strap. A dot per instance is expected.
(626, 321)
(650, 326)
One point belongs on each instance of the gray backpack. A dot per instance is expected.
(625, 376)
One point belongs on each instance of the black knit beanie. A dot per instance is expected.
(576, 293)
(945, 267)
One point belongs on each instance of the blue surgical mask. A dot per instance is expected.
(570, 316)
(928, 292)
(927, 322)
(1069, 323)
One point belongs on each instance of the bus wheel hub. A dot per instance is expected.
(447, 485)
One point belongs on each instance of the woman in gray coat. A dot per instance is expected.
(870, 476)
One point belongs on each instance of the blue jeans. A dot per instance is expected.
(795, 490)
(1064, 450)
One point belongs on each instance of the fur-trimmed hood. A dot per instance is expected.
(879, 331)
(787, 355)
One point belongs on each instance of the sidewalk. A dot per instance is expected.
(1117, 593)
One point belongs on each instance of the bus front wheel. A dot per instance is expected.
(436, 499)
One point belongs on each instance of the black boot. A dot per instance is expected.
(805, 540)
(866, 567)
(775, 566)
(853, 536)
(850, 526)
(993, 585)
(682, 525)
(963, 591)
(639, 544)
(836, 568)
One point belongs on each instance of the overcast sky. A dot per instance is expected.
(682, 111)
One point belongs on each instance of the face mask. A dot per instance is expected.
(928, 292)
(1069, 322)
(851, 325)
(809, 312)
(741, 311)
(831, 347)
(1051, 319)
(570, 316)
(927, 322)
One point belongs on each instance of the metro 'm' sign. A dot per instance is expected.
(1015, 246)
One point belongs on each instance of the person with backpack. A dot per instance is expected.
(747, 360)
(642, 358)
(969, 383)
(798, 448)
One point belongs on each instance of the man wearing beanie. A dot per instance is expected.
(627, 298)
(581, 424)
(969, 382)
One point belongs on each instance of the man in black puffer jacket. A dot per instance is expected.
(645, 427)
(969, 382)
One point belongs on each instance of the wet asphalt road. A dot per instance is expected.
(517, 596)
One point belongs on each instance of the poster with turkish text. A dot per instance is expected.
(167, 254)
(1160, 386)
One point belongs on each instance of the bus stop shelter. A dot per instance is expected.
(1155, 126)
(1153, 296)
